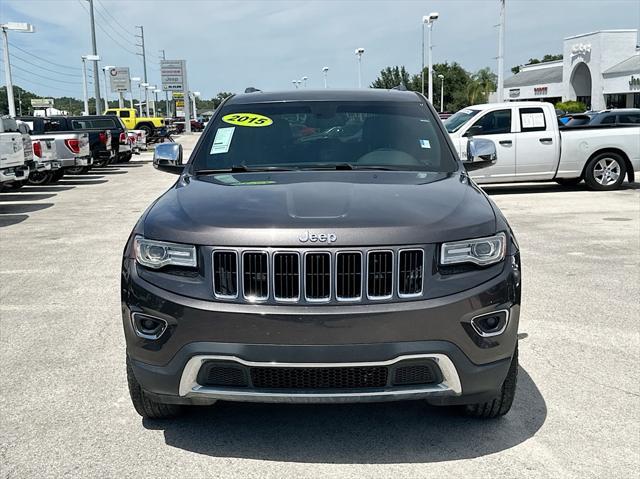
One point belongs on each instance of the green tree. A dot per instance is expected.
(549, 57)
(392, 77)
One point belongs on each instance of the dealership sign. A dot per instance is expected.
(42, 102)
(634, 83)
(514, 92)
(119, 79)
(173, 73)
(540, 90)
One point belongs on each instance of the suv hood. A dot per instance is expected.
(358, 207)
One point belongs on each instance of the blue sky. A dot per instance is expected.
(231, 45)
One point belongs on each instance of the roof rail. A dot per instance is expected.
(251, 90)
(401, 87)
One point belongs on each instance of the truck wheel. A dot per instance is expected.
(501, 404)
(40, 178)
(15, 185)
(144, 406)
(57, 175)
(77, 170)
(568, 181)
(605, 171)
(147, 130)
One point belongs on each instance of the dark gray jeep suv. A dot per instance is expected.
(322, 246)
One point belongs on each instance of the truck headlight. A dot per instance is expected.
(480, 251)
(156, 254)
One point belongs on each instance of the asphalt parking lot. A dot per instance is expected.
(65, 410)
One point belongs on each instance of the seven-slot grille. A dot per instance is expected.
(318, 276)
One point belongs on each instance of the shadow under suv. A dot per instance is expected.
(322, 246)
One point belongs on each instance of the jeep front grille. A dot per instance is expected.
(310, 276)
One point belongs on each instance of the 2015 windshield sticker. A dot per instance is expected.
(222, 140)
(247, 119)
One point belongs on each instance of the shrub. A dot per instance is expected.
(571, 106)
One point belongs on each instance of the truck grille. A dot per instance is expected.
(318, 276)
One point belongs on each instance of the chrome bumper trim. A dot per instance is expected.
(190, 388)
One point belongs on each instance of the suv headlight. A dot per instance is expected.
(156, 254)
(480, 251)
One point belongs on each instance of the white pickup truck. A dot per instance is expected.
(531, 146)
(13, 158)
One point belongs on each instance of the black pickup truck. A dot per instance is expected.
(107, 150)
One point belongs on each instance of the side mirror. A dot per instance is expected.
(481, 153)
(168, 157)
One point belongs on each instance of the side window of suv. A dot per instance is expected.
(608, 120)
(493, 123)
(124, 114)
(629, 118)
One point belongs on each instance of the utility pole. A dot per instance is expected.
(96, 68)
(501, 53)
(84, 86)
(144, 65)
(167, 113)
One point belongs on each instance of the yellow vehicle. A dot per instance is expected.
(134, 122)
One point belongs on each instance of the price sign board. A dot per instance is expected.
(173, 73)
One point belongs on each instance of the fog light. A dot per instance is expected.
(148, 327)
(491, 324)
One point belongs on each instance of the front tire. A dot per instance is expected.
(40, 178)
(146, 407)
(500, 404)
(77, 170)
(605, 172)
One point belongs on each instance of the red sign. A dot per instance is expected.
(540, 90)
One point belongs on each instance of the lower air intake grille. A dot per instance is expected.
(319, 378)
(222, 375)
(416, 374)
(256, 275)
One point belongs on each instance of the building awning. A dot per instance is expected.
(630, 65)
(535, 77)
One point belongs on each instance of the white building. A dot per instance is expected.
(600, 69)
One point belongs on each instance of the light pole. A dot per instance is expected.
(325, 71)
(17, 27)
(105, 70)
(296, 83)
(304, 80)
(150, 88)
(94, 52)
(441, 92)
(194, 94)
(501, 53)
(155, 93)
(428, 20)
(359, 52)
(143, 86)
(135, 80)
(91, 58)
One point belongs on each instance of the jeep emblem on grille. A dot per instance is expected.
(308, 237)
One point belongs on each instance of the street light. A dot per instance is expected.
(150, 88)
(441, 92)
(304, 79)
(134, 80)
(359, 52)
(84, 79)
(155, 94)
(16, 27)
(105, 70)
(143, 86)
(428, 20)
(325, 70)
(295, 83)
(194, 94)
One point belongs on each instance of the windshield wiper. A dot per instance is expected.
(348, 166)
(241, 169)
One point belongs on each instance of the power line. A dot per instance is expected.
(13, 56)
(28, 80)
(44, 77)
(44, 59)
(113, 18)
(104, 30)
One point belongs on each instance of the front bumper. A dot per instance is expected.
(472, 367)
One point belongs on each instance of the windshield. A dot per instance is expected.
(456, 121)
(325, 134)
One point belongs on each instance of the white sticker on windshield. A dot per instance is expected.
(425, 144)
(222, 140)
